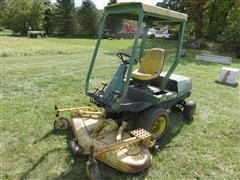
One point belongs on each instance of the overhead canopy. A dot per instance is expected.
(151, 13)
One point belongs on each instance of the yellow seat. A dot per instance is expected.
(151, 64)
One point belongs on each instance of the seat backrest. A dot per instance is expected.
(152, 61)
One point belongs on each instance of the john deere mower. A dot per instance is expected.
(134, 106)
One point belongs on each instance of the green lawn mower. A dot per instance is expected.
(134, 106)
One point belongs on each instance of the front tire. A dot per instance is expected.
(154, 120)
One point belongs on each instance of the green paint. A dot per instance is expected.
(177, 59)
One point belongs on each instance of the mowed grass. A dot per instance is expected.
(35, 77)
(21, 46)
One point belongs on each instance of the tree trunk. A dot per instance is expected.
(199, 10)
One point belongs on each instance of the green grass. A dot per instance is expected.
(35, 77)
(21, 46)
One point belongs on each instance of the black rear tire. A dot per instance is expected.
(189, 110)
(154, 120)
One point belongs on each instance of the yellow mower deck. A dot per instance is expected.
(126, 151)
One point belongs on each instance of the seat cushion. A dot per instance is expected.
(152, 61)
(142, 76)
(150, 65)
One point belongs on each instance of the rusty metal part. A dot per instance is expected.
(117, 145)
(79, 112)
(83, 111)
(140, 134)
(124, 162)
(120, 131)
(144, 135)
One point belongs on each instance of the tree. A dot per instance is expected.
(171, 4)
(112, 2)
(196, 12)
(175, 5)
(114, 24)
(88, 17)
(19, 15)
(1, 12)
(47, 16)
(64, 17)
(217, 13)
(211, 19)
(232, 31)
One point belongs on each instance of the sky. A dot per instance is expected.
(101, 3)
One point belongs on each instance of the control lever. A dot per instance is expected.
(104, 85)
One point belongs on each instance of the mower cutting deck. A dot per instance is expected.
(125, 151)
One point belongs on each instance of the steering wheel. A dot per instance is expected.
(121, 56)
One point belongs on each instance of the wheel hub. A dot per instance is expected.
(159, 126)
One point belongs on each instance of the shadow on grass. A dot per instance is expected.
(176, 124)
(78, 170)
(226, 84)
(35, 165)
(69, 136)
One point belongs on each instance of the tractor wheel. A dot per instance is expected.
(154, 120)
(189, 110)
(63, 126)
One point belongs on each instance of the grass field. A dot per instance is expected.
(36, 74)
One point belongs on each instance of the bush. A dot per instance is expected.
(2, 28)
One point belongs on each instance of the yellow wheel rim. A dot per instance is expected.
(159, 126)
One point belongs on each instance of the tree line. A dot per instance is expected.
(212, 20)
(62, 18)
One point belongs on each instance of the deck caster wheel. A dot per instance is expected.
(64, 123)
(93, 172)
(189, 110)
(154, 120)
